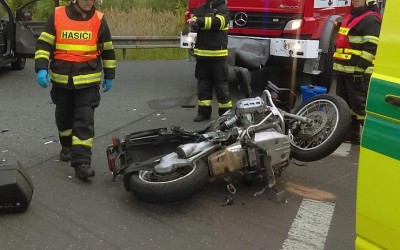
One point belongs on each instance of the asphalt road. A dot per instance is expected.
(66, 213)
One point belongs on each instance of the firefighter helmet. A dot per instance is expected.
(370, 2)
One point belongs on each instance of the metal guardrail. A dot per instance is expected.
(144, 42)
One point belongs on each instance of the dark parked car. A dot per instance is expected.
(18, 33)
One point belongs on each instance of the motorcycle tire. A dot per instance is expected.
(331, 123)
(148, 187)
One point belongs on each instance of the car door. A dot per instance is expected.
(5, 29)
(28, 27)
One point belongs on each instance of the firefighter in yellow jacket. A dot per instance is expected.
(356, 46)
(76, 45)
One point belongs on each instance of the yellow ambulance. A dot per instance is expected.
(378, 185)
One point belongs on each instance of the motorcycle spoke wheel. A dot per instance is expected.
(325, 118)
(330, 121)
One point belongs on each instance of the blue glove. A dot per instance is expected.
(107, 84)
(43, 78)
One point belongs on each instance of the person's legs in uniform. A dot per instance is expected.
(358, 98)
(63, 99)
(345, 89)
(220, 80)
(204, 91)
(85, 102)
(341, 89)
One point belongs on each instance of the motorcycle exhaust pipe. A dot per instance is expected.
(187, 150)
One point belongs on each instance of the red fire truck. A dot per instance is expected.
(295, 34)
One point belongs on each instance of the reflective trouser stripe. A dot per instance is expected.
(65, 133)
(77, 141)
(225, 105)
(204, 103)
(211, 53)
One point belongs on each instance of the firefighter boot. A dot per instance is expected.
(353, 136)
(203, 114)
(84, 171)
(65, 154)
(200, 118)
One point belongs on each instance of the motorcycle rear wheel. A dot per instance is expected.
(179, 185)
(331, 122)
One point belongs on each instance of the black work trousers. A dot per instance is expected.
(212, 74)
(75, 113)
(355, 94)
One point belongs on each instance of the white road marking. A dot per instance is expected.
(343, 150)
(310, 227)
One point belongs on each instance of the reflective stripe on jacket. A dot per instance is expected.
(212, 19)
(76, 74)
(351, 55)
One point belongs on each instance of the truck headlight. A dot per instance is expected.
(294, 24)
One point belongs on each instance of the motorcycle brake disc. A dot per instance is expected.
(319, 121)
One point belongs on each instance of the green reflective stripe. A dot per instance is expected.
(211, 53)
(109, 64)
(204, 103)
(343, 68)
(371, 39)
(363, 39)
(59, 78)
(226, 27)
(222, 19)
(108, 46)
(356, 39)
(65, 133)
(225, 105)
(42, 54)
(48, 38)
(69, 47)
(367, 56)
(86, 79)
(207, 23)
(77, 141)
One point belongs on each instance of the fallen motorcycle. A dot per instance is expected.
(256, 138)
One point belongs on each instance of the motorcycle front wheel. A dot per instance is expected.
(331, 120)
(178, 185)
